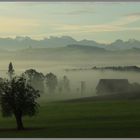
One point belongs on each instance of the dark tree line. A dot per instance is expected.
(17, 97)
(19, 94)
(39, 81)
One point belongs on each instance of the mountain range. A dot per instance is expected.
(20, 43)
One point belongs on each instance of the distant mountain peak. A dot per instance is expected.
(118, 41)
(22, 38)
(61, 37)
(132, 41)
(22, 42)
(124, 45)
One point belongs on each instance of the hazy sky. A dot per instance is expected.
(103, 22)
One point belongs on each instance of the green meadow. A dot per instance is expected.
(79, 119)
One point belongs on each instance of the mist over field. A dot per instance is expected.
(69, 69)
(59, 60)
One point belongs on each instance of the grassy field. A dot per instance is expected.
(83, 119)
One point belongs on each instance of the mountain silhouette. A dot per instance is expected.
(20, 43)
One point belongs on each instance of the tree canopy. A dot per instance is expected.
(18, 98)
(10, 70)
(35, 79)
(51, 82)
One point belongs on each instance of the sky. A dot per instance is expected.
(99, 21)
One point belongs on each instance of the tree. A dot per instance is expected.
(18, 98)
(35, 79)
(66, 84)
(51, 82)
(83, 87)
(10, 70)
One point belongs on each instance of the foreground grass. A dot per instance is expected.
(79, 119)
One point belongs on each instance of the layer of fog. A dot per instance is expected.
(90, 77)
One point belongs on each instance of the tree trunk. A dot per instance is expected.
(19, 122)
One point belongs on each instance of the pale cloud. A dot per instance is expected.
(136, 14)
(76, 12)
(115, 26)
(6, 5)
(78, 9)
(17, 25)
(38, 20)
(34, 28)
(82, 11)
(77, 29)
(126, 20)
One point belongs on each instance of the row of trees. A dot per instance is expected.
(19, 94)
(17, 97)
(50, 81)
